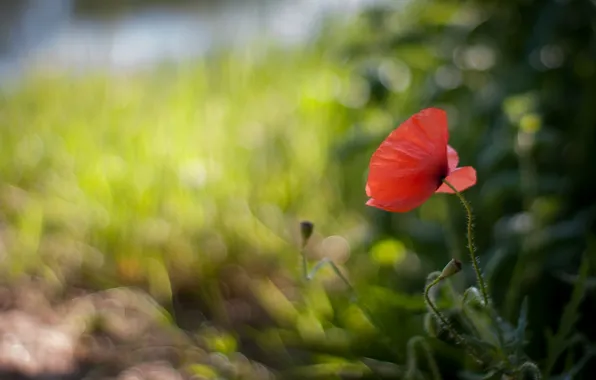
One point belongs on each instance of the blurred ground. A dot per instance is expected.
(120, 333)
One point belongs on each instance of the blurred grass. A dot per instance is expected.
(194, 178)
(174, 171)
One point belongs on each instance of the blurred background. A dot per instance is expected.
(157, 157)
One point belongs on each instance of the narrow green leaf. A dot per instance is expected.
(556, 344)
(520, 331)
(578, 366)
(467, 375)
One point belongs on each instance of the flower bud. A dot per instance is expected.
(453, 267)
(306, 230)
(473, 297)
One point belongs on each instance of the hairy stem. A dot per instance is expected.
(471, 249)
(446, 324)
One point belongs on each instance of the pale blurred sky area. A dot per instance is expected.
(79, 34)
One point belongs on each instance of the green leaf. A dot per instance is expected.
(333, 370)
(557, 342)
(467, 375)
(479, 343)
(487, 351)
(570, 373)
(413, 361)
(520, 331)
(203, 371)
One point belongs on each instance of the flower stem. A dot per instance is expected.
(304, 262)
(471, 249)
(343, 278)
(436, 311)
(445, 323)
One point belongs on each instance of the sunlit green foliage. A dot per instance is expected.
(171, 171)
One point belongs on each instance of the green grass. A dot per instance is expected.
(173, 171)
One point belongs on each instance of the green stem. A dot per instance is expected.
(436, 311)
(458, 338)
(328, 261)
(304, 262)
(479, 278)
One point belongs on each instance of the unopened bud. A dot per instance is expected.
(473, 297)
(306, 230)
(529, 370)
(453, 267)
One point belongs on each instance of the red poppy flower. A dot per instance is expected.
(412, 162)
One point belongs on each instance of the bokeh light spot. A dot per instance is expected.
(388, 252)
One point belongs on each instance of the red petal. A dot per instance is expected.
(428, 128)
(452, 158)
(406, 168)
(460, 178)
(396, 206)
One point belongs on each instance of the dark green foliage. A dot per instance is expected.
(518, 79)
